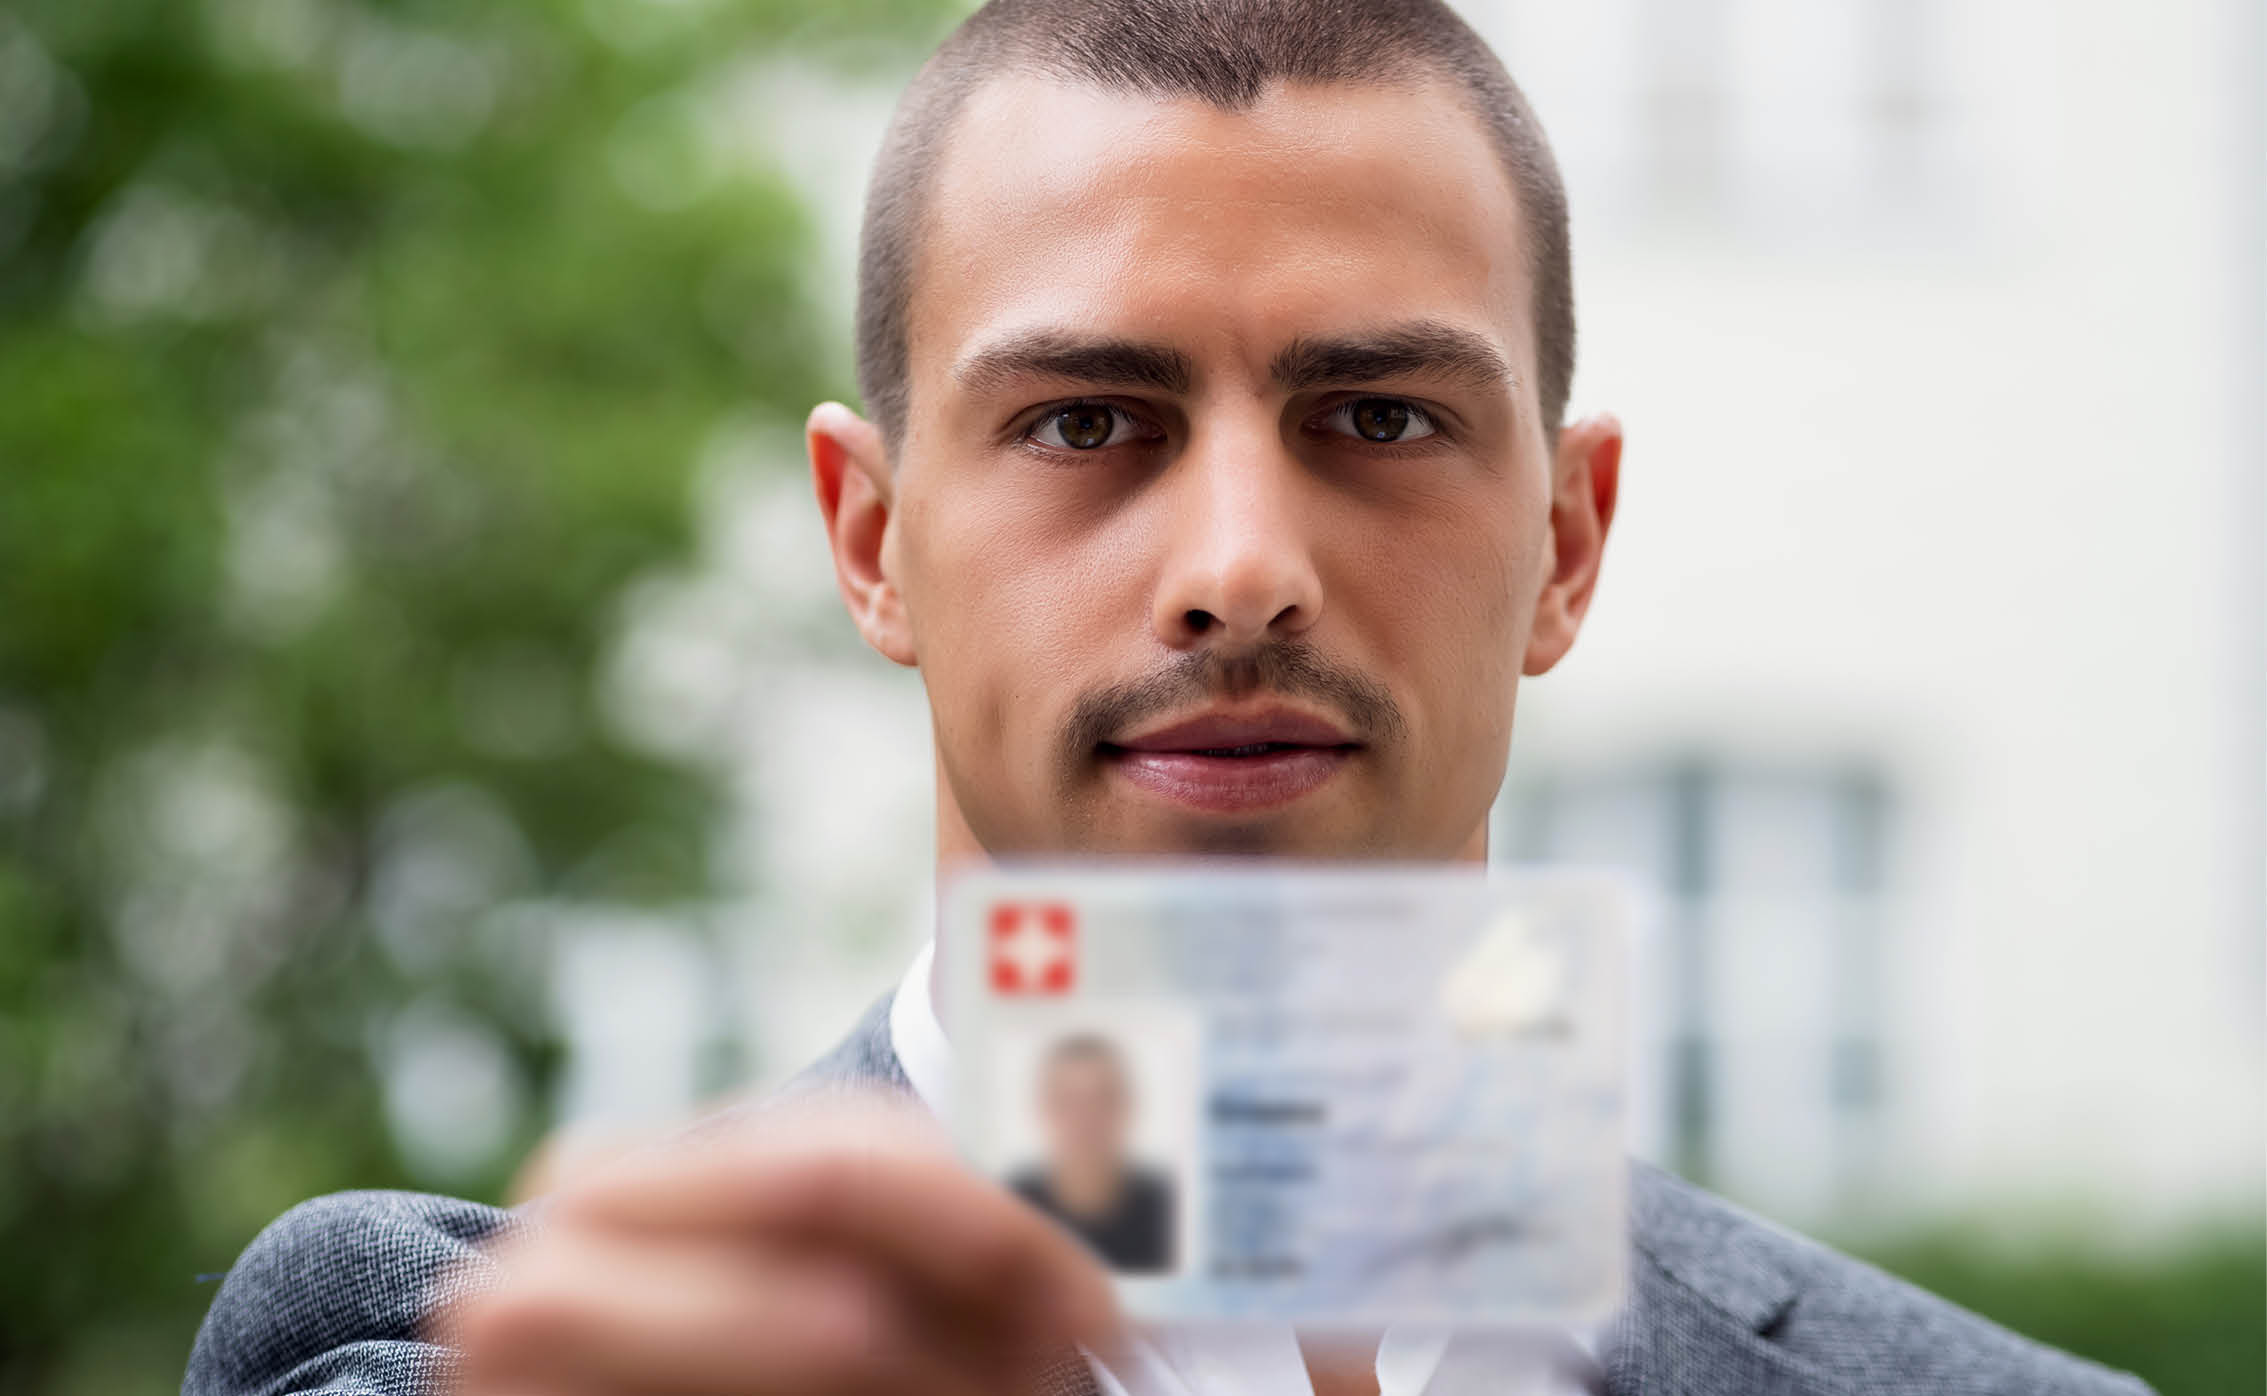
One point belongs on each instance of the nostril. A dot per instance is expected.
(1197, 621)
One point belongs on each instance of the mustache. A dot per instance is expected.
(1292, 668)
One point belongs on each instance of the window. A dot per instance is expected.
(1759, 979)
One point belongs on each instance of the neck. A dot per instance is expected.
(1341, 1364)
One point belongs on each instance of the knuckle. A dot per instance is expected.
(1001, 1258)
(844, 1331)
(819, 1189)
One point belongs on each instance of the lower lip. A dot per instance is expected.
(1230, 784)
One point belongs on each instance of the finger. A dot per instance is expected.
(967, 1242)
(1007, 1349)
(873, 1184)
(591, 1315)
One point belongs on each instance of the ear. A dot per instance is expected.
(850, 470)
(1585, 477)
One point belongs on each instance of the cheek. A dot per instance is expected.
(949, 590)
(1451, 600)
(1007, 616)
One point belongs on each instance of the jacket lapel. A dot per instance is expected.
(1673, 1341)
(1703, 1296)
(864, 1059)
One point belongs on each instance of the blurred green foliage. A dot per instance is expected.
(354, 355)
(2190, 1317)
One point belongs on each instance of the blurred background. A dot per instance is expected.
(426, 721)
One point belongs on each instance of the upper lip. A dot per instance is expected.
(1214, 731)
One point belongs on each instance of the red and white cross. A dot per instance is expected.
(1034, 947)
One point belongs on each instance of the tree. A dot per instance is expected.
(353, 357)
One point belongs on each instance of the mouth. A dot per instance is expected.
(1233, 763)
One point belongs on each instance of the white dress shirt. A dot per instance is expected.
(1244, 1361)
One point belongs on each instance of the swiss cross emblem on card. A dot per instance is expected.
(1034, 947)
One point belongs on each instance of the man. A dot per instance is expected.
(1090, 1183)
(1215, 478)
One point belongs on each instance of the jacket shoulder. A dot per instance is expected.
(1859, 1323)
(333, 1297)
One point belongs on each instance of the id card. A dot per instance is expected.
(1328, 1096)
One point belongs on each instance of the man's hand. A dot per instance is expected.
(835, 1251)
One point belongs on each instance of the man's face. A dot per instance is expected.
(1084, 1103)
(1224, 504)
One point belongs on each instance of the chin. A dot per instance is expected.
(1282, 836)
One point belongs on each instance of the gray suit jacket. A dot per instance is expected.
(334, 1296)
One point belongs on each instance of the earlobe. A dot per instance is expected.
(1585, 487)
(851, 476)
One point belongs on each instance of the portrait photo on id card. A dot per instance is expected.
(1092, 1116)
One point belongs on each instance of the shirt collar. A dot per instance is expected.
(919, 1038)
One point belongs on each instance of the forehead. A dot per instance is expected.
(1316, 210)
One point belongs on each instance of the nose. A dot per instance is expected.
(1239, 567)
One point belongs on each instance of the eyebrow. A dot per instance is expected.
(1056, 354)
(1422, 348)
(1419, 349)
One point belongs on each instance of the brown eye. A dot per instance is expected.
(1079, 426)
(1385, 420)
(1380, 418)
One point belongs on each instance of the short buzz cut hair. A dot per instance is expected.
(1226, 52)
